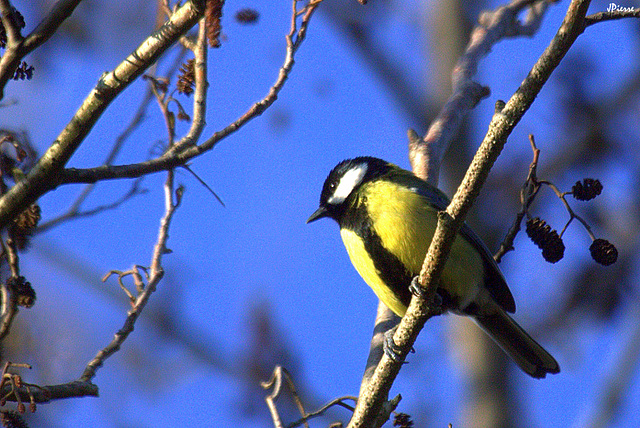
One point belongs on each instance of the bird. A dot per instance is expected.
(387, 217)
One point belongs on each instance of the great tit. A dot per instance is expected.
(387, 218)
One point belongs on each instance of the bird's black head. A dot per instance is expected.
(343, 182)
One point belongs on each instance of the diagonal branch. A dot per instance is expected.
(19, 47)
(47, 173)
(155, 274)
(184, 151)
(502, 124)
(426, 154)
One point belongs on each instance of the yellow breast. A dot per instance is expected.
(405, 223)
(367, 270)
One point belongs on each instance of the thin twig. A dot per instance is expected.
(279, 374)
(15, 381)
(155, 274)
(200, 93)
(528, 193)
(9, 296)
(530, 189)
(135, 122)
(340, 401)
(610, 16)
(75, 212)
(134, 272)
(10, 251)
(572, 214)
(275, 382)
(294, 39)
(43, 177)
(18, 47)
(163, 104)
(201, 181)
(9, 309)
(183, 152)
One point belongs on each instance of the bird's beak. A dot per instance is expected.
(318, 214)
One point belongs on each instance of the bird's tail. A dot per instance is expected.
(532, 358)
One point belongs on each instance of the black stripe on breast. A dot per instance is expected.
(389, 267)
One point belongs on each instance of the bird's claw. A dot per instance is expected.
(435, 300)
(391, 349)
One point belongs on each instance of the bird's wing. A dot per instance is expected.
(495, 282)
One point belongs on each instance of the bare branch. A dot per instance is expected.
(159, 90)
(11, 28)
(572, 214)
(426, 155)
(204, 183)
(199, 64)
(9, 309)
(45, 175)
(340, 401)
(503, 122)
(200, 94)
(612, 15)
(75, 212)
(10, 251)
(19, 47)
(186, 150)
(294, 39)
(527, 194)
(49, 171)
(154, 276)
(280, 375)
(45, 394)
(7, 290)
(11, 57)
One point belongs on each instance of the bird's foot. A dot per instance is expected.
(391, 349)
(435, 299)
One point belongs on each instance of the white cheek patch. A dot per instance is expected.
(347, 183)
